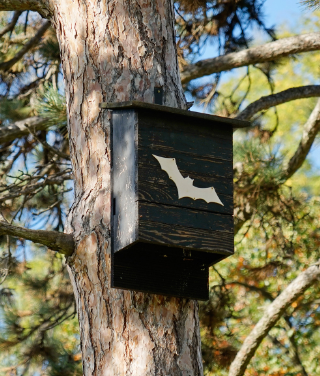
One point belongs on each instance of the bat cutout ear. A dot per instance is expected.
(185, 186)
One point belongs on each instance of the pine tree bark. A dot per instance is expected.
(115, 51)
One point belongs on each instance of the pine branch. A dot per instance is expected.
(312, 4)
(11, 24)
(268, 52)
(20, 128)
(7, 65)
(57, 241)
(39, 6)
(273, 313)
(269, 101)
(310, 131)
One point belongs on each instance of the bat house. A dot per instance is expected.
(172, 197)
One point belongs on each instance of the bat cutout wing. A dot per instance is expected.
(185, 185)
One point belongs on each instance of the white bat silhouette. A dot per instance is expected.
(185, 185)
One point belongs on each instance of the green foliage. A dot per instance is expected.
(50, 48)
(13, 110)
(52, 105)
(39, 326)
(280, 239)
(313, 4)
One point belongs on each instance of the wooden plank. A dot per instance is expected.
(124, 178)
(168, 194)
(187, 163)
(220, 242)
(194, 147)
(151, 175)
(195, 154)
(185, 217)
(175, 111)
(173, 126)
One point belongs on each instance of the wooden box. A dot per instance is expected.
(161, 243)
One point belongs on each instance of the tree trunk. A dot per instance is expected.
(118, 51)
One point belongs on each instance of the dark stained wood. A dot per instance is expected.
(160, 243)
(150, 174)
(163, 270)
(219, 242)
(199, 153)
(188, 163)
(174, 124)
(158, 95)
(168, 194)
(188, 218)
(191, 114)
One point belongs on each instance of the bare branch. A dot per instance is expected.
(49, 147)
(310, 131)
(57, 241)
(267, 52)
(34, 188)
(20, 128)
(268, 101)
(260, 290)
(11, 24)
(272, 314)
(32, 42)
(21, 5)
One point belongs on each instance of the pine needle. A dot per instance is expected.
(51, 104)
(312, 4)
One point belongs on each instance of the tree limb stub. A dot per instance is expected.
(57, 241)
(269, 101)
(272, 314)
(7, 65)
(310, 131)
(267, 52)
(21, 128)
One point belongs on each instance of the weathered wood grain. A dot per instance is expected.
(222, 185)
(199, 152)
(193, 126)
(161, 228)
(188, 163)
(219, 242)
(189, 218)
(124, 179)
(168, 194)
(195, 142)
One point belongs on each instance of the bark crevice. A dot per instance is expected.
(117, 52)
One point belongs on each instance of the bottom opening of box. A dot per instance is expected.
(163, 270)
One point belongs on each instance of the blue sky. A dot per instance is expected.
(288, 11)
(278, 11)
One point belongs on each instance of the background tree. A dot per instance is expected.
(276, 222)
